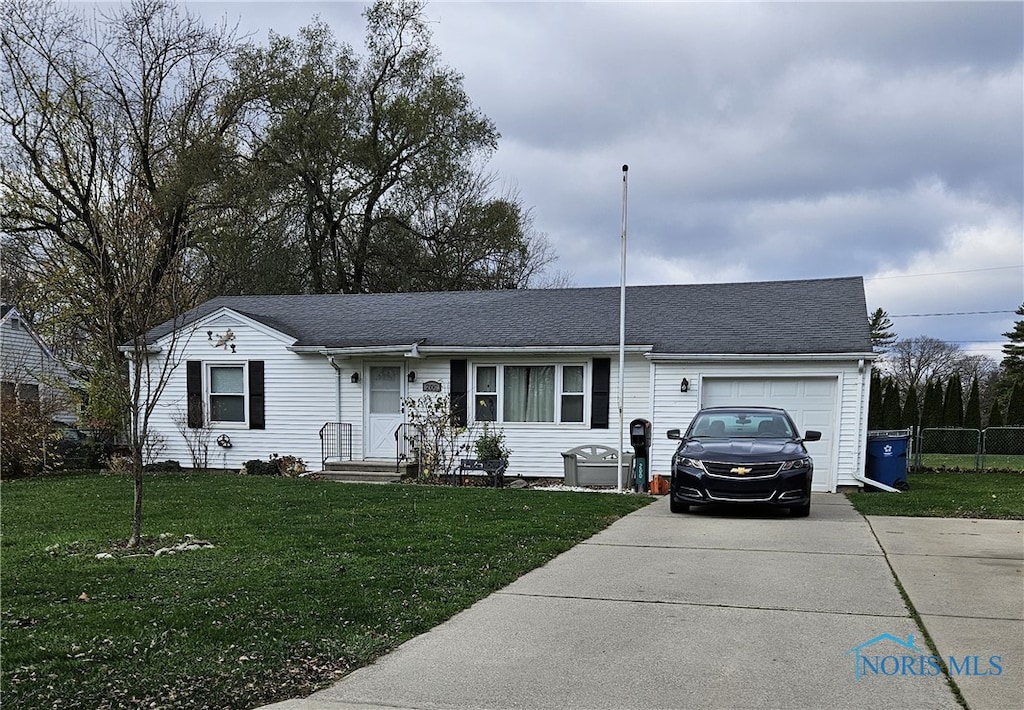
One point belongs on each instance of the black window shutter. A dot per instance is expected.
(458, 392)
(600, 392)
(194, 393)
(257, 418)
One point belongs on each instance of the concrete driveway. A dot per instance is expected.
(721, 609)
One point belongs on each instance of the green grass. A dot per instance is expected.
(950, 495)
(307, 580)
(969, 462)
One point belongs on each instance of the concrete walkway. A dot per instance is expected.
(724, 609)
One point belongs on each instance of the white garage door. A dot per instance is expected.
(811, 401)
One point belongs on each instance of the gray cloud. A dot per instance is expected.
(765, 140)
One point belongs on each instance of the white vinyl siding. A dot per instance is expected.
(299, 394)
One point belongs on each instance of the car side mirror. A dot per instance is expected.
(673, 434)
(811, 435)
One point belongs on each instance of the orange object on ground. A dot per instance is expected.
(659, 485)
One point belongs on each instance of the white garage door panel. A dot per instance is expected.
(811, 401)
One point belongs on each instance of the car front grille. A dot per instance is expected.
(721, 469)
(740, 497)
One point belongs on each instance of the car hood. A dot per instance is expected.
(742, 449)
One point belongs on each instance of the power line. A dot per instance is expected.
(945, 273)
(959, 313)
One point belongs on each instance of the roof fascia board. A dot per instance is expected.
(536, 349)
(408, 350)
(752, 357)
(342, 353)
(198, 325)
(148, 349)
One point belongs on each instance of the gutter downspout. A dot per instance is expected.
(876, 484)
(860, 414)
(337, 388)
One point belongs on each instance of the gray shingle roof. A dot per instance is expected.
(774, 317)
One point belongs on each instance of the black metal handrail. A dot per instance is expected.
(335, 442)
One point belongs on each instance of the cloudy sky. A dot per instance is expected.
(765, 141)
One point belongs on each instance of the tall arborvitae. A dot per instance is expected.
(953, 404)
(972, 410)
(931, 411)
(1015, 409)
(995, 414)
(875, 401)
(891, 414)
(911, 418)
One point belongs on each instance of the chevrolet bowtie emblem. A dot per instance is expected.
(740, 470)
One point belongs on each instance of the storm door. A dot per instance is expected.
(384, 410)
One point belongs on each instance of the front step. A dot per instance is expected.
(361, 471)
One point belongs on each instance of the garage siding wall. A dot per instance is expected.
(673, 409)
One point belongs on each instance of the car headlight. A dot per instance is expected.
(692, 463)
(796, 464)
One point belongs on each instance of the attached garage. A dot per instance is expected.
(810, 401)
(821, 393)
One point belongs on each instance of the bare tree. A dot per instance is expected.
(915, 361)
(113, 131)
(197, 439)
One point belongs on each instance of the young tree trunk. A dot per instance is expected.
(136, 537)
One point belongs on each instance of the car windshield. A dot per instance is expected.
(741, 425)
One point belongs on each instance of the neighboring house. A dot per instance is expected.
(29, 371)
(270, 371)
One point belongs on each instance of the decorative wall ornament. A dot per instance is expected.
(221, 341)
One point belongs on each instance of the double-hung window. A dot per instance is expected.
(227, 393)
(529, 393)
(486, 409)
(230, 394)
(572, 393)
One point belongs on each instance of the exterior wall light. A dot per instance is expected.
(355, 377)
(684, 386)
(411, 376)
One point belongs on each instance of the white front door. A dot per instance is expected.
(384, 410)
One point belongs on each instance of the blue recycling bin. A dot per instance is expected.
(887, 459)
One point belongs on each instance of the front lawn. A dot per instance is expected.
(306, 580)
(950, 495)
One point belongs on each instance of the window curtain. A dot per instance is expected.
(529, 394)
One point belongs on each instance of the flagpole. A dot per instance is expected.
(622, 327)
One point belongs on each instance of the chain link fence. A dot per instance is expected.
(994, 448)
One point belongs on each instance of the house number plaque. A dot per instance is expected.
(431, 386)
